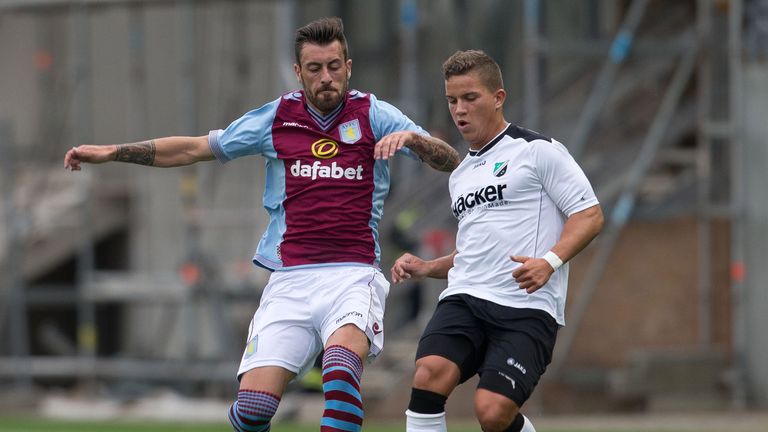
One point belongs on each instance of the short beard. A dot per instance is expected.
(326, 105)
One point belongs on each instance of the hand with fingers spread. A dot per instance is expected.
(532, 274)
(390, 144)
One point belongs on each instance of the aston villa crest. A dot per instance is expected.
(349, 132)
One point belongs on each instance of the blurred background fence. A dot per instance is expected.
(134, 278)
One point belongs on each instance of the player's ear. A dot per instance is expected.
(297, 71)
(349, 68)
(500, 96)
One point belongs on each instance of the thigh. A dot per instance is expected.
(351, 306)
(456, 334)
(516, 357)
(270, 379)
(350, 337)
(281, 332)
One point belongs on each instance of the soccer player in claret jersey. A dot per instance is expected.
(326, 149)
(524, 208)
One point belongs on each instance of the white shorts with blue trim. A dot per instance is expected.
(300, 309)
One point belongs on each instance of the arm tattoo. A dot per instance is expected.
(436, 153)
(142, 153)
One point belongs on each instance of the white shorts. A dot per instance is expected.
(301, 308)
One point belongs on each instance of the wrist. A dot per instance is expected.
(113, 152)
(413, 140)
(553, 260)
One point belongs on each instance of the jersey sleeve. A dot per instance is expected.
(562, 178)
(244, 136)
(386, 119)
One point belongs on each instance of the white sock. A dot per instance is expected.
(527, 426)
(417, 422)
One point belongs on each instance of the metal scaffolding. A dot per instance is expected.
(185, 302)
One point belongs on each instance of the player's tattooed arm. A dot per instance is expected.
(435, 152)
(159, 152)
(142, 153)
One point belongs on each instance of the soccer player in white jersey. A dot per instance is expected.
(326, 149)
(524, 209)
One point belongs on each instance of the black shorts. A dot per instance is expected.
(509, 348)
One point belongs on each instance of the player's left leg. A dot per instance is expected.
(342, 370)
(520, 345)
(351, 310)
(498, 413)
(258, 398)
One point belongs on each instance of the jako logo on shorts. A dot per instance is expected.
(325, 148)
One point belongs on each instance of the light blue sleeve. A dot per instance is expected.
(251, 134)
(386, 119)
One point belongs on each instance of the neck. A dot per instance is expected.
(318, 110)
(493, 132)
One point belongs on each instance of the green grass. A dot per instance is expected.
(37, 425)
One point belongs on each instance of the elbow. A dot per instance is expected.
(598, 220)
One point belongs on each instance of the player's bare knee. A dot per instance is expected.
(422, 377)
(428, 373)
(492, 422)
(494, 416)
(352, 338)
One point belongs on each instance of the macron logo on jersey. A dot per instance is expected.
(316, 170)
(295, 125)
(484, 195)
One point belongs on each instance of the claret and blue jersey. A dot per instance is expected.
(324, 191)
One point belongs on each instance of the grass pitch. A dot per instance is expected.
(38, 425)
(692, 423)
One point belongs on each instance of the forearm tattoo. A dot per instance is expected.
(434, 152)
(142, 153)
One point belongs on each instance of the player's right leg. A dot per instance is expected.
(282, 344)
(446, 356)
(434, 380)
(257, 400)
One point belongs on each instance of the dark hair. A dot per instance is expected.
(322, 31)
(464, 62)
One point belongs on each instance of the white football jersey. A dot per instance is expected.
(512, 197)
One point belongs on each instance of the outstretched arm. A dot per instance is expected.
(434, 151)
(580, 228)
(412, 267)
(159, 152)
